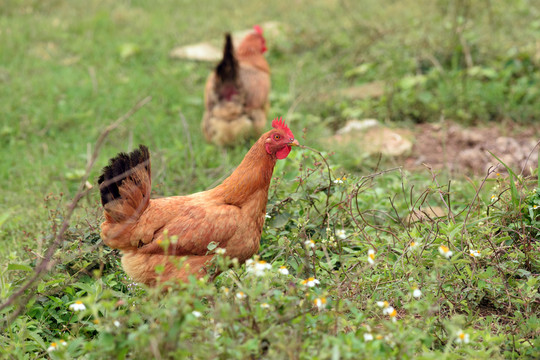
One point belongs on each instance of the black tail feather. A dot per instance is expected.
(120, 167)
(227, 69)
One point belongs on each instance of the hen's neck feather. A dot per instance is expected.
(249, 52)
(251, 178)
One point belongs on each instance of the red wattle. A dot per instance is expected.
(283, 152)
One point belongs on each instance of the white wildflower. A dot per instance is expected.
(320, 303)
(77, 306)
(258, 268)
(283, 270)
(221, 251)
(390, 311)
(342, 234)
(371, 256)
(310, 282)
(265, 305)
(240, 295)
(462, 337)
(54, 346)
(416, 293)
(116, 323)
(309, 243)
(474, 253)
(368, 337)
(196, 313)
(445, 251)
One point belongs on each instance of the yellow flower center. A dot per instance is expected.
(386, 304)
(159, 241)
(311, 279)
(262, 262)
(372, 256)
(282, 267)
(461, 336)
(78, 302)
(96, 321)
(444, 249)
(412, 243)
(53, 344)
(393, 313)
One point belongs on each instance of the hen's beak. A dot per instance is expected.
(294, 143)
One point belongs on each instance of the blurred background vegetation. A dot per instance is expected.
(70, 68)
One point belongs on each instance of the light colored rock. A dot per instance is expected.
(357, 125)
(370, 137)
(199, 52)
(387, 141)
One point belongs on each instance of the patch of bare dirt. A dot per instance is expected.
(466, 150)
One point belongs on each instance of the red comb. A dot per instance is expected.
(258, 29)
(280, 124)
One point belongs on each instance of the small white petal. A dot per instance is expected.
(116, 323)
(196, 313)
(309, 243)
(368, 337)
(417, 293)
(283, 270)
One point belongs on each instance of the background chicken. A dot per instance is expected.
(231, 214)
(236, 93)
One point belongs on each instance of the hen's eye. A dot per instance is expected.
(277, 137)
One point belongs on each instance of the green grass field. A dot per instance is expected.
(68, 69)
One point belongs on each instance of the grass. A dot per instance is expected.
(69, 69)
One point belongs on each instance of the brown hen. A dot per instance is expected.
(174, 232)
(236, 93)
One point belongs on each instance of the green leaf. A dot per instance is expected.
(212, 246)
(20, 267)
(279, 220)
(37, 338)
(513, 189)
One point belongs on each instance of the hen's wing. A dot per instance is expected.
(191, 224)
(256, 84)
